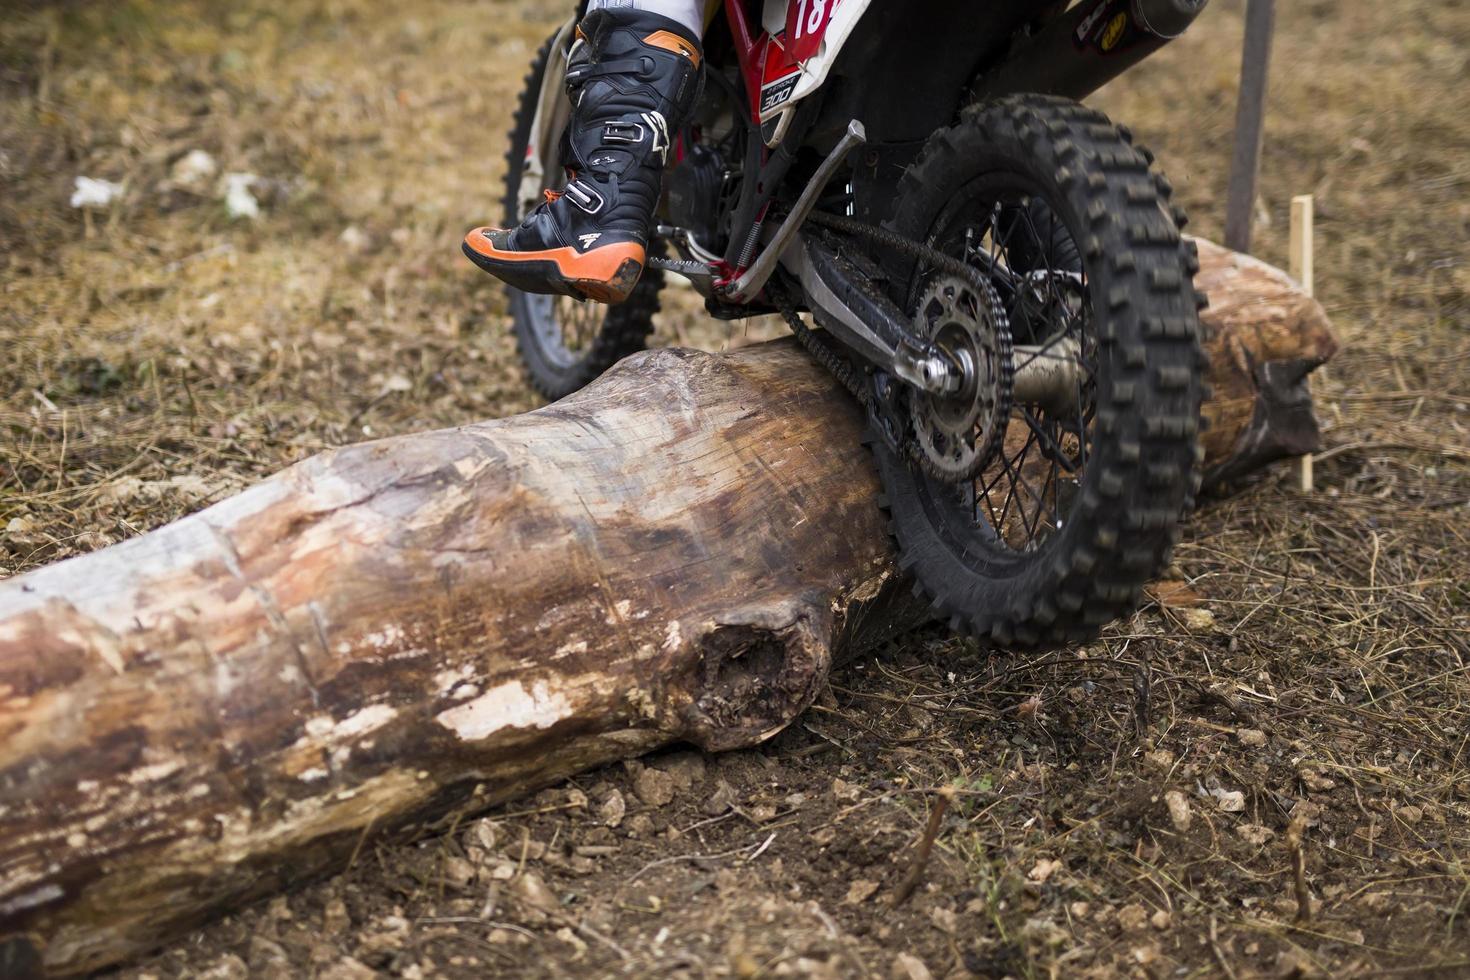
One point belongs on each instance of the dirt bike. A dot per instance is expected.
(996, 274)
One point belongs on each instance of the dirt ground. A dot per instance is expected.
(1290, 724)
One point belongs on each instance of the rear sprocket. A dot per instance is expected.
(959, 432)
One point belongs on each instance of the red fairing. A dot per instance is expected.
(748, 49)
(806, 23)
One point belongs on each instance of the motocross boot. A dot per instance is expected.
(633, 78)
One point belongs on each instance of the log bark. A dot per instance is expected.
(396, 632)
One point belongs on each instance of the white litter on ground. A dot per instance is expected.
(194, 170)
(94, 193)
(239, 202)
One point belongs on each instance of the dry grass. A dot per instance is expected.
(1316, 659)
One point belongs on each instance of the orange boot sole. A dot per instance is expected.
(606, 275)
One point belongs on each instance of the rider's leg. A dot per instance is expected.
(690, 13)
(633, 77)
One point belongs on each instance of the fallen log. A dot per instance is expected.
(392, 633)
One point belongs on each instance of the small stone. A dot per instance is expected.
(860, 891)
(1160, 920)
(1079, 910)
(906, 966)
(533, 891)
(566, 935)
(576, 799)
(459, 873)
(641, 825)
(485, 834)
(529, 847)
(686, 769)
(1043, 870)
(1252, 738)
(1133, 918)
(227, 967)
(1410, 814)
(1040, 929)
(1228, 800)
(845, 791)
(1179, 812)
(762, 812)
(1160, 760)
(613, 809)
(944, 919)
(1309, 813)
(744, 966)
(1314, 781)
(1254, 833)
(386, 933)
(354, 239)
(348, 968)
(1292, 964)
(654, 787)
(335, 919)
(721, 800)
(1196, 620)
(267, 957)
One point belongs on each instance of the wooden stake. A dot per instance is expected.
(1301, 242)
(1301, 270)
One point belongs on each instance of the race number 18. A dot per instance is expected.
(809, 16)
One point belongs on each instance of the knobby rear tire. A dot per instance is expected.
(1142, 470)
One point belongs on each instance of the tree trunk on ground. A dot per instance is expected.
(392, 633)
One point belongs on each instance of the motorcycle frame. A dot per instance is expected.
(753, 45)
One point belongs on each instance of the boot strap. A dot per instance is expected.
(643, 67)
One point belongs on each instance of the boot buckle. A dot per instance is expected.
(584, 197)
(618, 131)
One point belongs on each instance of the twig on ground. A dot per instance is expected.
(757, 848)
(926, 844)
(1294, 834)
(1219, 953)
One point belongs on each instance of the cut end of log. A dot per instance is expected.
(754, 678)
(1265, 336)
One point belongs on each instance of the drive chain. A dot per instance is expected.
(842, 368)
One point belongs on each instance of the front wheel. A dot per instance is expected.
(1080, 505)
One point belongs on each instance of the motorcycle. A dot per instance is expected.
(994, 271)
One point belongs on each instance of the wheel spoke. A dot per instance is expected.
(1053, 448)
(1022, 244)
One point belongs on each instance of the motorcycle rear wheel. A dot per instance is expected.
(1083, 505)
(565, 344)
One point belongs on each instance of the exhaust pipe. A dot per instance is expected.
(1086, 47)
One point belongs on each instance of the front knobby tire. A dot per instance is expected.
(565, 344)
(1118, 515)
